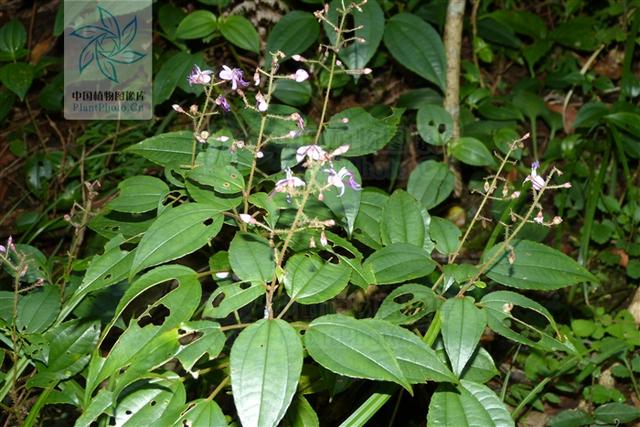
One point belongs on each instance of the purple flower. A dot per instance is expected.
(335, 179)
(199, 77)
(234, 76)
(222, 102)
(288, 184)
(536, 180)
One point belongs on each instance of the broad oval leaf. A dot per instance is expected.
(435, 124)
(177, 232)
(417, 46)
(352, 348)
(398, 263)
(403, 222)
(196, 25)
(17, 78)
(152, 401)
(363, 133)
(467, 405)
(230, 297)
(535, 266)
(240, 31)
(294, 33)
(407, 304)
(431, 183)
(266, 362)
(462, 327)
(201, 412)
(13, 36)
(472, 152)
(445, 234)
(301, 414)
(207, 337)
(251, 258)
(167, 149)
(419, 362)
(37, 310)
(139, 194)
(310, 280)
(367, 224)
(70, 347)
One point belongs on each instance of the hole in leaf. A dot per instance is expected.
(156, 316)
(128, 412)
(112, 421)
(153, 403)
(181, 332)
(245, 285)
(431, 123)
(184, 340)
(186, 423)
(218, 299)
(207, 222)
(226, 185)
(108, 276)
(233, 176)
(403, 298)
(442, 128)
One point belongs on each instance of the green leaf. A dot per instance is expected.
(301, 414)
(352, 348)
(231, 297)
(363, 133)
(224, 179)
(403, 222)
(370, 23)
(367, 224)
(310, 280)
(103, 271)
(398, 263)
(240, 31)
(345, 207)
(207, 338)
(435, 124)
(17, 78)
(293, 93)
(469, 404)
(188, 288)
(500, 318)
(251, 258)
(150, 401)
(472, 152)
(481, 368)
(167, 149)
(294, 33)
(38, 309)
(417, 46)
(419, 362)
(445, 234)
(97, 405)
(571, 418)
(626, 121)
(535, 266)
(407, 304)
(70, 347)
(201, 412)
(196, 25)
(139, 194)
(462, 327)
(616, 413)
(177, 232)
(431, 183)
(13, 36)
(266, 363)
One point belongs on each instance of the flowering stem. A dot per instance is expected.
(207, 90)
(507, 242)
(332, 70)
(260, 140)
